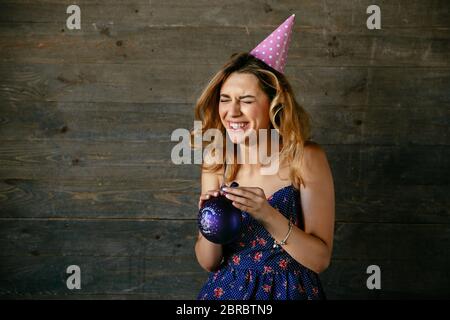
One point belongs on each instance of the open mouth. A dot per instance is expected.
(237, 126)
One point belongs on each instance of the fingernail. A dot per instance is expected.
(225, 188)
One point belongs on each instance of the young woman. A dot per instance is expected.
(288, 217)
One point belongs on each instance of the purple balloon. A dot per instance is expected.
(219, 221)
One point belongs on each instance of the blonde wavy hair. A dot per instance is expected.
(285, 113)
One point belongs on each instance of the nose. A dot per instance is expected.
(235, 109)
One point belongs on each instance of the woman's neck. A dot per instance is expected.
(255, 156)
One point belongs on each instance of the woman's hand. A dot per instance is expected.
(207, 196)
(250, 199)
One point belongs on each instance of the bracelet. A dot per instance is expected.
(276, 244)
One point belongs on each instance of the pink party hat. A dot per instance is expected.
(273, 49)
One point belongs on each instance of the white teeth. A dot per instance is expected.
(237, 125)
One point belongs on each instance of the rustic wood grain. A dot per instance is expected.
(149, 123)
(324, 14)
(400, 279)
(175, 237)
(160, 46)
(145, 278)
(86, 117)
(103, 180)
(353, 86)
(45, 277)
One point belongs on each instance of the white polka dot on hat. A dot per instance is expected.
(278, 42)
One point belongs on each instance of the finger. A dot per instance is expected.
(202, 199)
(238, 199)
(208, 195)
(240, 206)
(214, 193)
(255, 190)
(201, 203)
(205, 197)
(242, 192)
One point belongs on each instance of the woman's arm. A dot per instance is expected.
(312, 247)
(209, 255)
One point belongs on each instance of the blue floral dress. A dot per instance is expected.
(253, 270)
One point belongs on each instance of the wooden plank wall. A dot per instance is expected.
(85, 124)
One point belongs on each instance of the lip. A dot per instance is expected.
(238, 129)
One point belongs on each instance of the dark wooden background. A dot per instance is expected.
(86, 117)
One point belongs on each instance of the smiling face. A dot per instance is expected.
(243, 106)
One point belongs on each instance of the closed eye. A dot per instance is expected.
(247, 102)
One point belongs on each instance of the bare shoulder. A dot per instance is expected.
(315, 162)
(313, 152)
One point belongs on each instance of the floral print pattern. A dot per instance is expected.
(253, 269)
